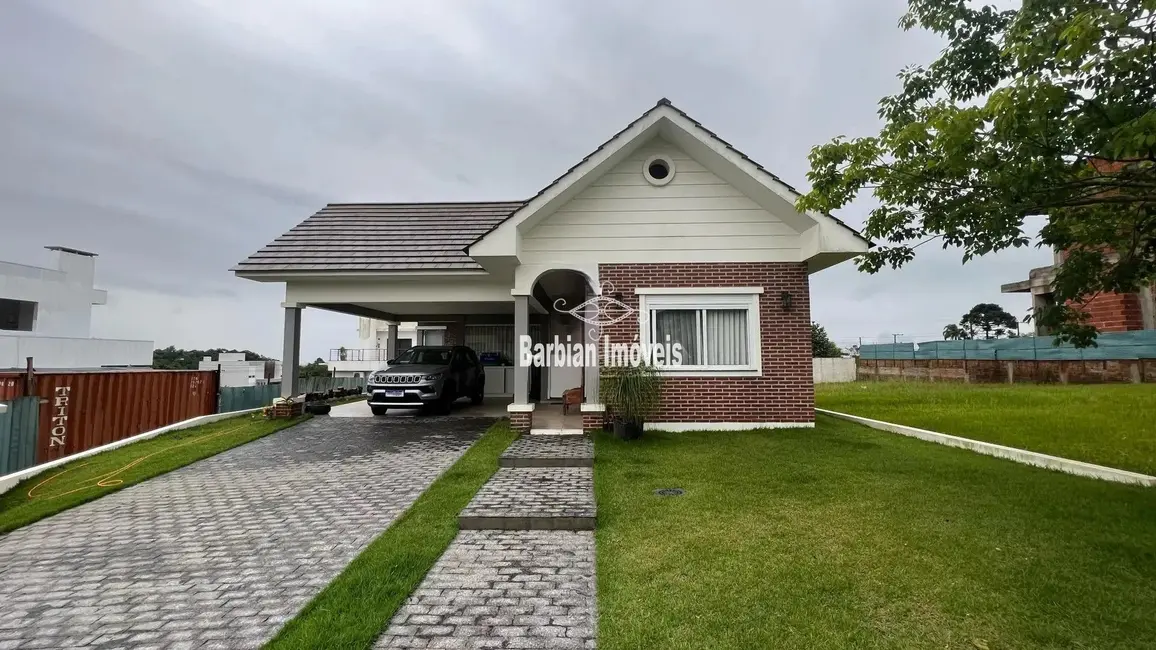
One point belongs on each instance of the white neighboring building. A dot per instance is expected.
(46, 314)
(378, 342)
(236, 371)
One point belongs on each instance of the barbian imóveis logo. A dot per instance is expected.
(598, 312)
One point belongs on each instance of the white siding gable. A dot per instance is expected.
(697, 217)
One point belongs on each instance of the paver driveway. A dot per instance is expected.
(222, 552)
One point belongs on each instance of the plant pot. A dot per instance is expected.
(626, 430)
(318, 408)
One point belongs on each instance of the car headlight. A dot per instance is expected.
(433, 377)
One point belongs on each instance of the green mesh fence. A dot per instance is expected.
(1110, 346)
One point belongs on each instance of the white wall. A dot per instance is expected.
(696, 217)
(64, 294)
(829, 371)
(236, 371)
(64, 352)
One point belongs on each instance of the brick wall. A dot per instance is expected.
(1021, 371)
(1115, 312)
(593, 422)
(521, 421)
(784, 393)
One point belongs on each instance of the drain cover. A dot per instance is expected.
(670, 492)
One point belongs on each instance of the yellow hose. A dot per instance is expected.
(107, 480)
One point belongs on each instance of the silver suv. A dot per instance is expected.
(427, 377)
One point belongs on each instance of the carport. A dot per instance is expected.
(406, 262)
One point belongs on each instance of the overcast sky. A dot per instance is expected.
(175, 138)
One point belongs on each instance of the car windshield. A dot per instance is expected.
(424, 356)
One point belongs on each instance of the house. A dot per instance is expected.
(664, 232)
(1108, 311)
(46, 314)
(237, 371)
(378, 341)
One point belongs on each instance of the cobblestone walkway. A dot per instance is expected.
(220, 553)
(549, 451)
(503, 589)
(520, 574)
(533, 498)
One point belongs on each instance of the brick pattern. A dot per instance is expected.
(521, 421)
(533, 498)
(784, 393)
(503, 589)
(592, 422)
(549, 451)
(1115, 312)
(222, 552)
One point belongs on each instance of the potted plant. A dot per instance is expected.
(631, 393)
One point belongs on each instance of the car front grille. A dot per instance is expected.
(398, 379)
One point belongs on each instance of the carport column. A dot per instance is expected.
(456, 331)
(521, 411)
(291, 357)
(391, 349)
(593, 412)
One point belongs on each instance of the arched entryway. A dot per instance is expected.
(556, 309)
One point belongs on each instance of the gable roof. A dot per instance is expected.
(711, 134)
(379, 237)
(642, 128)
(438, 236)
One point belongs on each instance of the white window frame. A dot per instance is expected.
(747, 298)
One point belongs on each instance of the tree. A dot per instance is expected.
(821, 344)
(989, 318)
(1045, 110)
(316, 369)
(954, 332)
(173, 358)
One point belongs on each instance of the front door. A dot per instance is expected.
(565, 377)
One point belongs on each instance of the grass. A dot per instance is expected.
(846, 537)
(1113, 425)
(354, 609)
(85, 479)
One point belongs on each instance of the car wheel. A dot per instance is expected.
(445, 403)
(378, 410)
(479, 395)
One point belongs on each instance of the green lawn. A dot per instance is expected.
(90, 478)
(847, 537)
(356, 607)
(1113, 424)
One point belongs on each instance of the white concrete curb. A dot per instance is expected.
(1068, 466)
(9, 481)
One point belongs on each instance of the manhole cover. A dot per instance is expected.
(670, 492)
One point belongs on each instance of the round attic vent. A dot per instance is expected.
(658, 170)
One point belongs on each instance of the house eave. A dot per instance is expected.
(284, 276)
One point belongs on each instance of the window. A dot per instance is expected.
(718, 329)
(658, 170)
(18, 315)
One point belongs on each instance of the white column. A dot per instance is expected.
(592, 372)
(391, 350)
(521, 328)
(291, 357)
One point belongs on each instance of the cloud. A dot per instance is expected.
(176, 138)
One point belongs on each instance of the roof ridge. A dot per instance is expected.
(410, 203)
